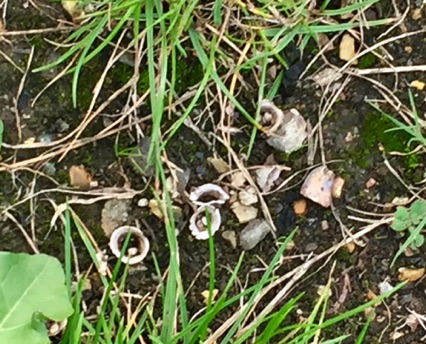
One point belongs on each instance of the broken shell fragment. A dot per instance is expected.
(286, 131)
(137, 248)
(266, 176)
(208, 194)
(318, 186)
(198, 224)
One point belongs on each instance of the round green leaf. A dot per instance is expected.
(30, 284)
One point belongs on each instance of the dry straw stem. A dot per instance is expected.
(294, 277)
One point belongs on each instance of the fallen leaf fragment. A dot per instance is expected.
(266, 177)
(347, 47)
(410, 275)
(219, 164)
(300, 206)
(231, 237)
(326, 76)
(207, 296)
(238, 180)
(420, 85)
(248, 196)
(417, 14)
(396, 335)
(73, 8)
(318, 186)
(371, 295)
(79, 177)
(155, 208)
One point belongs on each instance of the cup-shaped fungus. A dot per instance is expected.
(272, 117)
(286, 131)
(137, 247)
(200, 221)
(208, 194)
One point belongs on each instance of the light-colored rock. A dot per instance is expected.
(255, 231)
(244, 213)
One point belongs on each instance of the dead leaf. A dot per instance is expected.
(73, 8)
(155, 208)
(219, 164)
(248, 196)
(79, 177)
(410, 275)
(326, 76)
(318, 186)
(417, 14)
(238, 180)
(396, 335)
(371, 295)
(347, 47)
(300, 206)
(420, 85)
(206, 295)
(266, 177)
(323, 40)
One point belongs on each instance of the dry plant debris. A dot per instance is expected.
(80, 178)
(74, 9)
(219, 164)
(207, 296)
(266, 176)
(420, 85)
(410, 275)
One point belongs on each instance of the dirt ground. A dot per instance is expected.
(354, 142)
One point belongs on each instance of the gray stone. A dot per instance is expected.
(255, 231)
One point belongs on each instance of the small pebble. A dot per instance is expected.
(255, 231)
(143, 202)
(311, 247)
(231, 237)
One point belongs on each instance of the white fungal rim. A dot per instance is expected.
(215, 192)
(268, 107)
(117, 239)
(198, 222)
